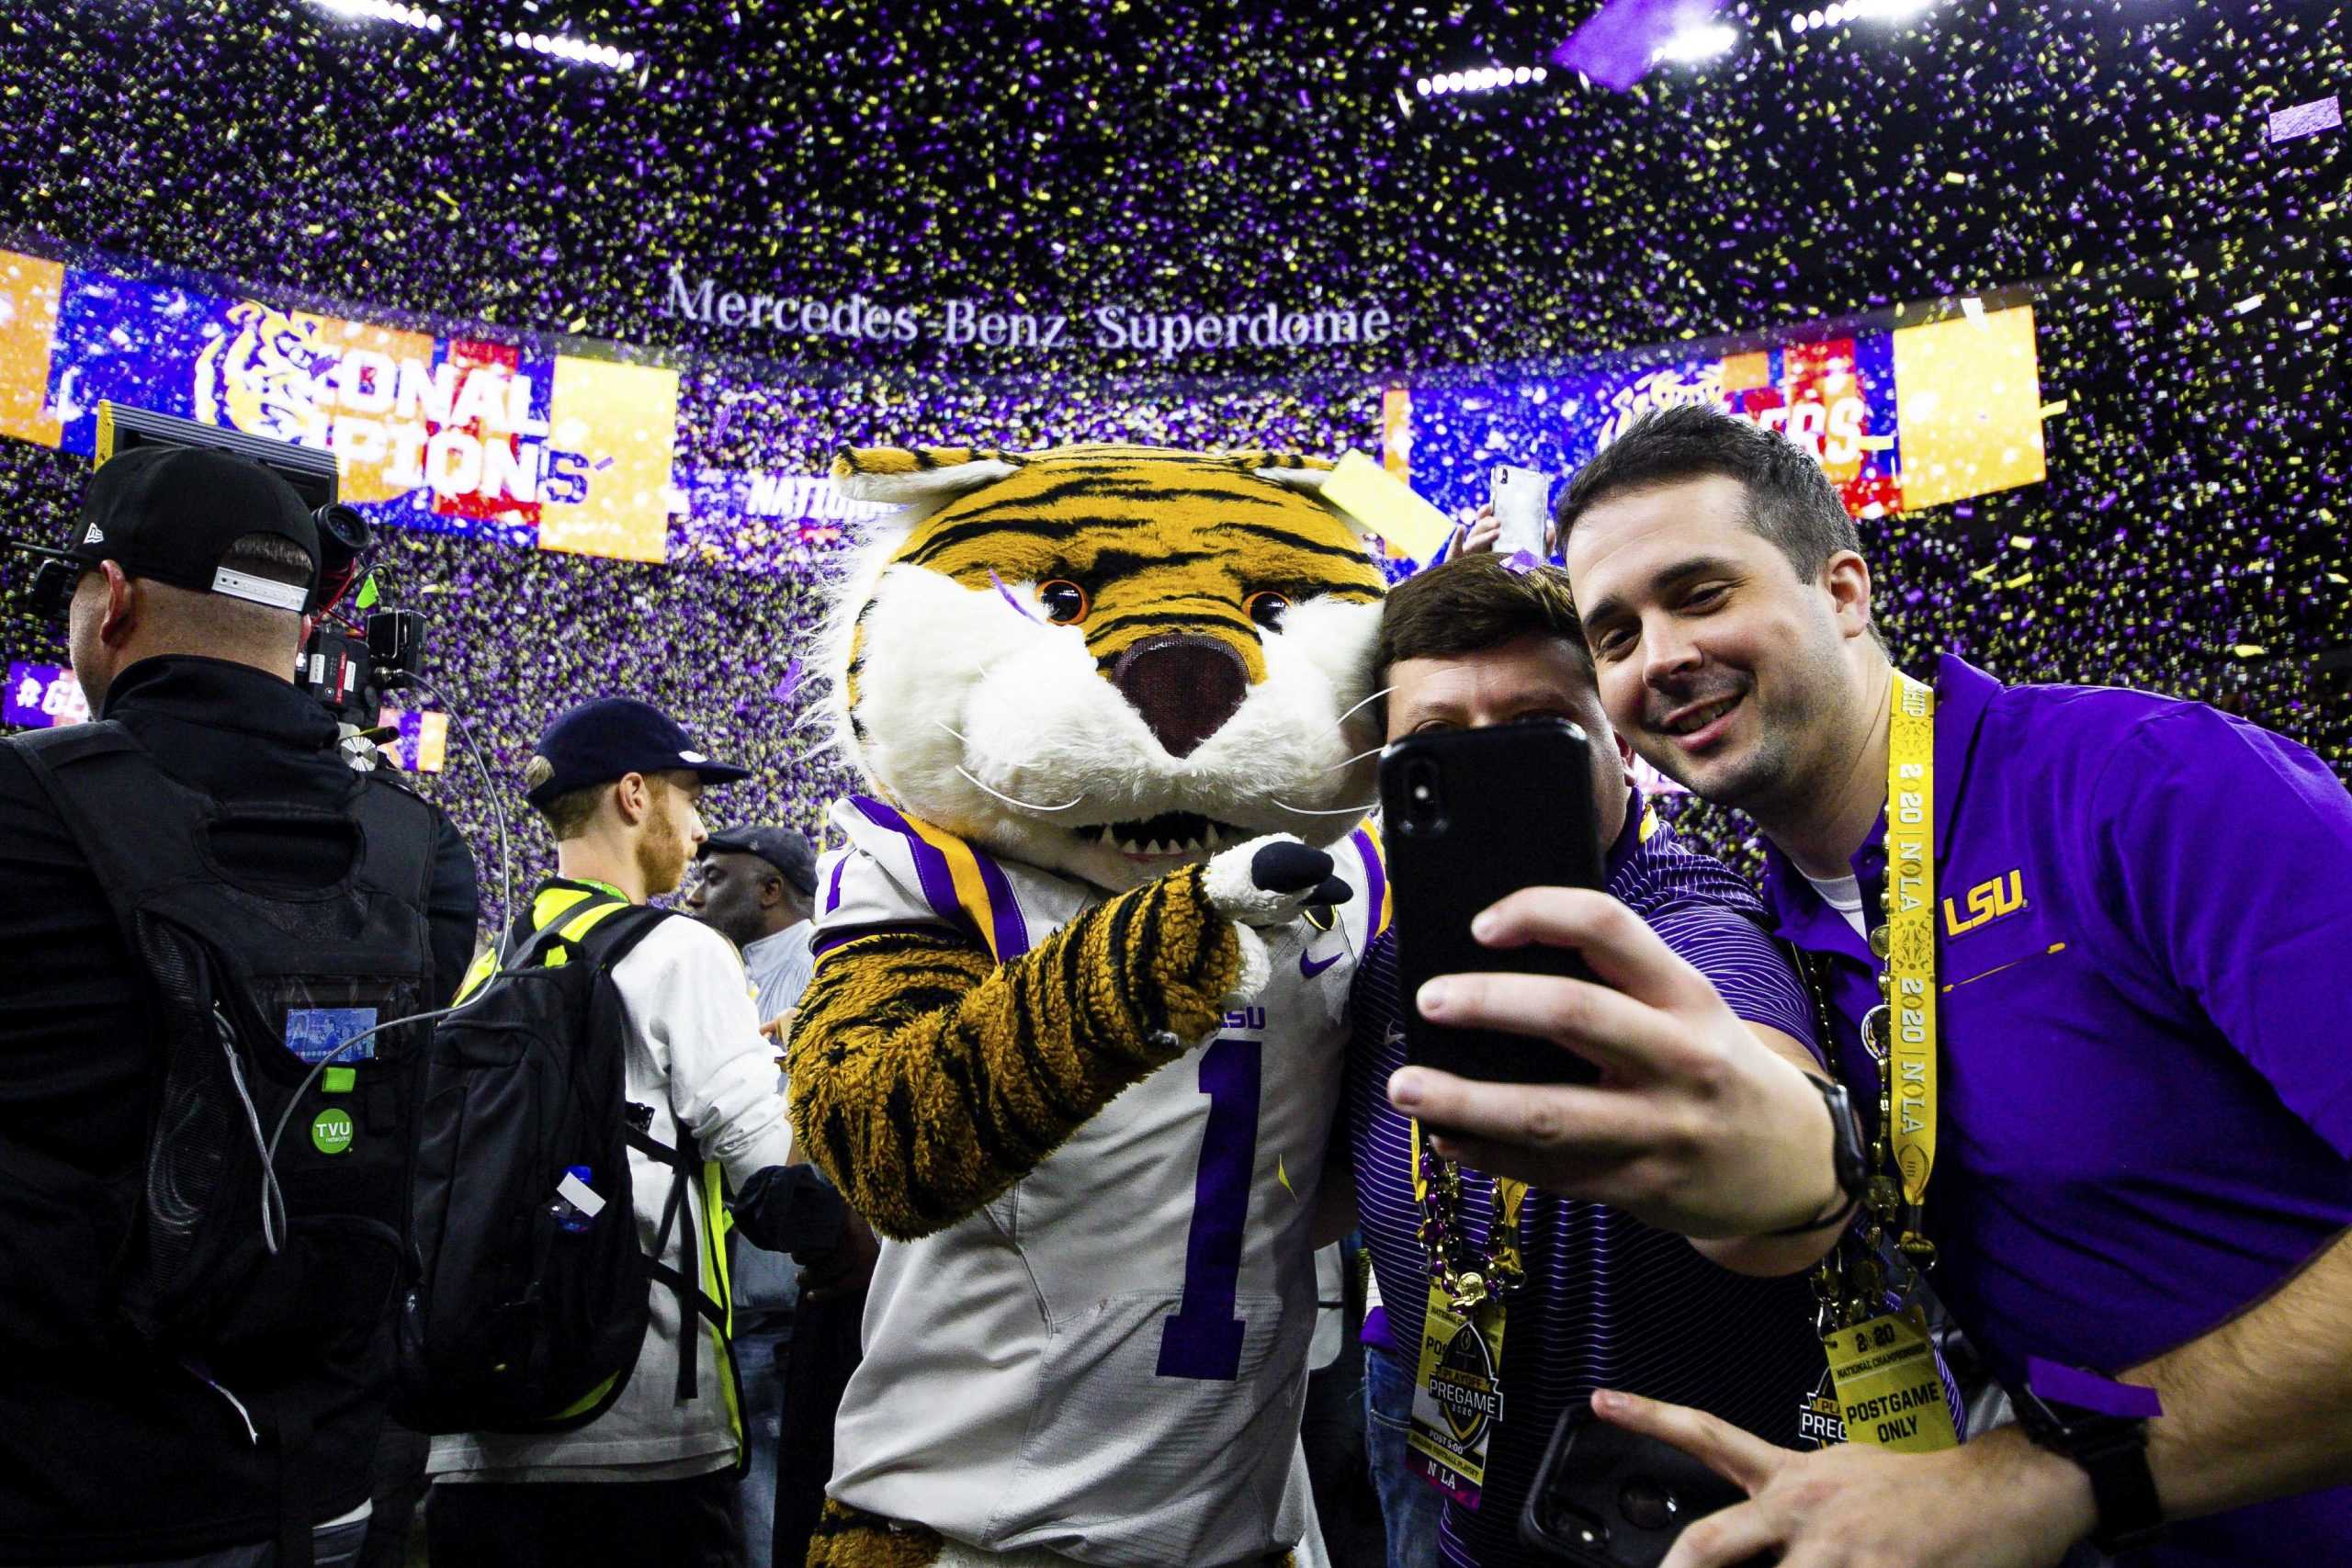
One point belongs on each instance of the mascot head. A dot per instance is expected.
(1107, 660)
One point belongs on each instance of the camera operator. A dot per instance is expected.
(129, 1435)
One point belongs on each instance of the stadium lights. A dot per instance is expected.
(1845, 11)
(1482, 80)
(385, 11)
(580, 52)
(1694, 44)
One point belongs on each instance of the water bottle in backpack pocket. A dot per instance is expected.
(576, 1204)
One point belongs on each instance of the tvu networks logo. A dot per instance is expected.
(332, 1130)
(1987, 902)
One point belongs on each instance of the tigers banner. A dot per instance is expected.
(449, 434)
(446, 430)
(1901, 419)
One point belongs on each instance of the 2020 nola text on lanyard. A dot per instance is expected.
(1890, 1391)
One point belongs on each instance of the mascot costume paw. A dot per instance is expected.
(1073, 1043)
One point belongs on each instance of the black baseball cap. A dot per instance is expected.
(170, 513)
(781, 847)
(605, 738)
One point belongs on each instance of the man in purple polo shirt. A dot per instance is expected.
(1607, 1300)
(2141, 957)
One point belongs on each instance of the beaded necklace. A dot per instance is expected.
(1467, 1273)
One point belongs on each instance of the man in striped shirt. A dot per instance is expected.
(1725, 1326)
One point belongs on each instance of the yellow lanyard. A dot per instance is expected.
(1906, 1051)
(1457, 1378)
(1890, 1390)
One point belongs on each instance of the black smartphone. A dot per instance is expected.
(1469, 816)
(1610, 1498)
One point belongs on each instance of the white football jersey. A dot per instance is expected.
(1109, 1360)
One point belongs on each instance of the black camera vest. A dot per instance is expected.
(265, 1248)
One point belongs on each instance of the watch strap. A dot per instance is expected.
(2102, 1427)
(1845, 1159)
(2114, 1454)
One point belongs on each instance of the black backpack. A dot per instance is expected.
(265, 1234)
(514, 1322)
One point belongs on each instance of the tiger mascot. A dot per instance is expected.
(1073, 1042)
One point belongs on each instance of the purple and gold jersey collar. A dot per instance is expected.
(965, 886)
(1005, 905)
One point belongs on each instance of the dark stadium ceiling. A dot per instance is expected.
(1190, 156)
(1050, 157)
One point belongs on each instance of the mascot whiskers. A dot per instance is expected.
(1074, 1038)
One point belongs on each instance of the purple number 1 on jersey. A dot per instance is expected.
(1204, 1339)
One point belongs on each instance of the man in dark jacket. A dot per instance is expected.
(195, 574)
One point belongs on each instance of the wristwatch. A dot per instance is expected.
(1846, 1160)
(2102, 1425)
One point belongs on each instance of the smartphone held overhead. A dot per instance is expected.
(1522, 503)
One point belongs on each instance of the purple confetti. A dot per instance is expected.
(2306, 119)
(1619, 44)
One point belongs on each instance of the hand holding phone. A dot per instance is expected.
(1522, 499)
(1470, 816)
(1606, 1497)
(1702, 1126)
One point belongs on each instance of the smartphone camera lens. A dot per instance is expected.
(1424, 801)
(1649, 1504)
(1566, 1522)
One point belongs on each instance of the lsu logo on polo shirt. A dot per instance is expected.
(1987, 902)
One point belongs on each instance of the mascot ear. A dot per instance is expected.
(1295, 471)
(926, 476)
(1292, 470)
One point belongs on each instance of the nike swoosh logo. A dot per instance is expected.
(1308, 967)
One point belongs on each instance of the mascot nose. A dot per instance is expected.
(1185, 687)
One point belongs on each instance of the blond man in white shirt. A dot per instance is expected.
(652, 1479)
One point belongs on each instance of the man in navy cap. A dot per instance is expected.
(652, 1479)
(185, 586)
(757, 888)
